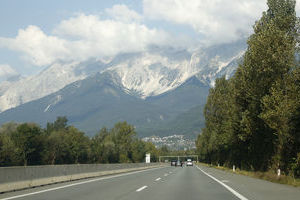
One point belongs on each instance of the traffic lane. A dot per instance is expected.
(186, 183)
(111, 187)
(255, 189)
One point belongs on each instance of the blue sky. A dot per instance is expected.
(37, 33)
(18, 14)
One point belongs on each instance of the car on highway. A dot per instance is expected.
(173, 163)
(189, 162)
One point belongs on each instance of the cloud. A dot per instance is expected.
(123, 14)
(93, 37)
(36, 46)
(217, 21)
(85, 36)
(6, 72)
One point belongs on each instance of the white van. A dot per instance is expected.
(189, 162)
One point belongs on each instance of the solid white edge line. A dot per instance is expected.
(140, 189)
(224, 185)
(80, 183)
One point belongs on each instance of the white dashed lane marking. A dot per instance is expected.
(241, 197)
(142, 188)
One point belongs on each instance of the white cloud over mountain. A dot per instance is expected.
(85, 36)
(96, 37)
(123, 30)
(217, 20)
(36, 47)
(123, 13)
(6, 71)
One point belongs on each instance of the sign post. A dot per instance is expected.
(148, 158)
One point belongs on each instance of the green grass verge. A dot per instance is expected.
(268, 176)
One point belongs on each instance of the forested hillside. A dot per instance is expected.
(253, 118)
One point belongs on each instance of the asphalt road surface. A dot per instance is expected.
(169, 183)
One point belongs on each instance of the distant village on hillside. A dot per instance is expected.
(173, 142)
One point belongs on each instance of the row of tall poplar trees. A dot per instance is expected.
(253, 118)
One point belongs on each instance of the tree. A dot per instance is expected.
(57, 148)
(150, 148)
(59, 123)
(252, 119)
(8, 152)
(8, 128)
(281, 112)
(29, 143)
(216, 143)
(123, 136)
(270, 55)
(138, 151)
(98, 146)
(78, 145)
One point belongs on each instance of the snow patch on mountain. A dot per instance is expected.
(143, 74)
(40, 85)
(218, 67)
(152, 74)
(57, 99)
(52, 79)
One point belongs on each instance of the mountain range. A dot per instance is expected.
(161, 91)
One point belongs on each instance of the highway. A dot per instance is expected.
(169, 183)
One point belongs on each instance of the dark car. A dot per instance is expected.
(173, 162)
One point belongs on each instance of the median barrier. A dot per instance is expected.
(16, 178)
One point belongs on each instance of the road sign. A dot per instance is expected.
(148, 158)
(178, 157)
